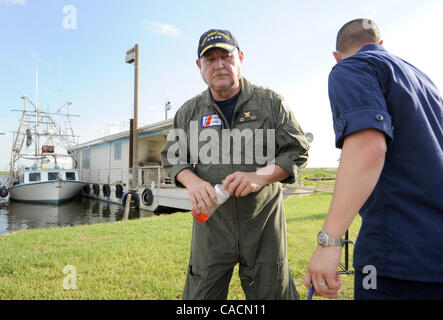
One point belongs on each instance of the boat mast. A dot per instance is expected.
(16, 146)
(61, 82)
(36, 119)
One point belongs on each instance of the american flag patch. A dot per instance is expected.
(211, 121)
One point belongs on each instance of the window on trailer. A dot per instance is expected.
(86, 160)
(117, 151)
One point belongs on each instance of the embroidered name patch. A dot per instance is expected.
(211, 121)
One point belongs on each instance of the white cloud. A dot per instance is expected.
(163, 29)
(14, 2)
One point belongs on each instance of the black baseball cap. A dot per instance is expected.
(216, 38)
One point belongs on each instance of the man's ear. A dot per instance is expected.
(198, 62)
(381, 42)
(337, 55)
(241, 56)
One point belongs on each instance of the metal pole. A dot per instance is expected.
(131, 144)
(15, 139)
(36, 118)
(135, 130)
(36, 86)
(11, 166)
(133, 57)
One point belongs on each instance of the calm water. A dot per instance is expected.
(18, 215)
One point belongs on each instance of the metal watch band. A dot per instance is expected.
(334, 242)
(324, 240)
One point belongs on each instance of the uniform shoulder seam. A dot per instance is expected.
(266, 92)
(188, 105)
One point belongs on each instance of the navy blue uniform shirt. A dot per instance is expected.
(228, 106)
(402, 220)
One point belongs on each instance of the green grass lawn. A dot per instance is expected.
(318, 172)
(137, 259)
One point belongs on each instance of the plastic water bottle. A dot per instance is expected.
(222, 196)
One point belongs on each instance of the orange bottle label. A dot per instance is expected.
(200, 217)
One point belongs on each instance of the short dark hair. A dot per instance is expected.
(357, 32)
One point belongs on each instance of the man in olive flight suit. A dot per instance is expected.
(220, 126)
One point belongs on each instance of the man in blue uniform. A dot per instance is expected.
(388, 121)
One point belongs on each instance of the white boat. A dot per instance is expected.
(42, 178)
(46, 185)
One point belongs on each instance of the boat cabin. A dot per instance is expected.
(43, 175)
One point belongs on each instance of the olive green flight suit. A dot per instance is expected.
(250, 231)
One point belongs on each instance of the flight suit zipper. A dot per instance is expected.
(229, 126)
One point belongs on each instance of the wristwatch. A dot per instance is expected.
(324, 240)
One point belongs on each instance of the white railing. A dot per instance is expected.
(104, 176)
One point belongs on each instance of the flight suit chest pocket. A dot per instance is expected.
(209, 145)
(253, 138)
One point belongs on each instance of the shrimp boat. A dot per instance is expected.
(43, 177)
(46, 185)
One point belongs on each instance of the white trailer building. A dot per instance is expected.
(104, 165)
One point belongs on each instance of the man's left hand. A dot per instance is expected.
(241, 184)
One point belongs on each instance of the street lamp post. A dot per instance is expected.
(167, 108)
(132, 57)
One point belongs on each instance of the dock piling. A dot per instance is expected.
(127, 206)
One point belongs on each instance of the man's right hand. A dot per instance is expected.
(200, 191)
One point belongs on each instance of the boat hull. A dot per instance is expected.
(46, 192)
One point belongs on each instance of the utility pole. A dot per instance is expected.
(132, 57)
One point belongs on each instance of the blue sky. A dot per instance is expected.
(287, 46)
